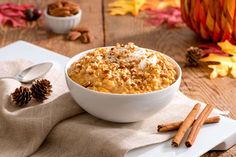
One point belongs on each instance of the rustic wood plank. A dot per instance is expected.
(38, 34)
(173, 42)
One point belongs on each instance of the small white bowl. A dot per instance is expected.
(62, 25)
(121, 107)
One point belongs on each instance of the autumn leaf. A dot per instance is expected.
(13, 14)
(160, 4)
(229, 61)
(227, 47)
(211, 48)
(218, 70)
(227, 64)
(170, 15)
(123, 7)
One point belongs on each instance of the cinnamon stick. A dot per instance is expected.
(197, 125)
(175, 125)
(185, 125)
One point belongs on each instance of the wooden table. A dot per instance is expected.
(109, 30)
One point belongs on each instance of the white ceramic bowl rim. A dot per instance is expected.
(61, 18)
(116, 94)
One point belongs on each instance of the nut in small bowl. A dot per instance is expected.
(62, 16)
(110, 82)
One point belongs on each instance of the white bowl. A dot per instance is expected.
(62, 25)
(121, 107)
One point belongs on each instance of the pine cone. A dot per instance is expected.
(192, 56)
(21, 96)
(41, 89)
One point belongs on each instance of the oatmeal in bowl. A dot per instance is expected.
(122, 83)
(124, 69)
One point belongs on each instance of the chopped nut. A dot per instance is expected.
(86, 38)
(73, 35)
(133, 70)
(80, 33)
(106, 71)
(63, 8)
(87, 84)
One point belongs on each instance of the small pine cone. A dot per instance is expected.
(21, 96)
(41, 89)
(193, 55)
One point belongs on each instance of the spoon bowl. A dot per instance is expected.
(31, 73)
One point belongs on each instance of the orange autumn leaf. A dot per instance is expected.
(227, 64)
(123, 7)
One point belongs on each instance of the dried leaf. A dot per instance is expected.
(13, 14)
(218, 70)
(211, 48)
(123, 7)
(229, 61)
(227, 47)
(171, 16)
(160, 4)
(227, 65)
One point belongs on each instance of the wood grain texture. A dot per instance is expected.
(195, 83)
(109, 30)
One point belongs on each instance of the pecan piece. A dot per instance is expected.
(86, 38)
(73, 36)
(63, 8)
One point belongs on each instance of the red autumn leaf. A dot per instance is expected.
(170, 15)
(13, 14)
(17, 22)
(211, 48)
(15, 6)
(1, 18)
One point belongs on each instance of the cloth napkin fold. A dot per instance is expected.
(46, 129)
(22, 130)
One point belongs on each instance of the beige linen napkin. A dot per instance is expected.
(22, 130)
(86, 136)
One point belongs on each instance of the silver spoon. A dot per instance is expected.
(31, 73)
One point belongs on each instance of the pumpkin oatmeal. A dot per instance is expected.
(123, 69)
